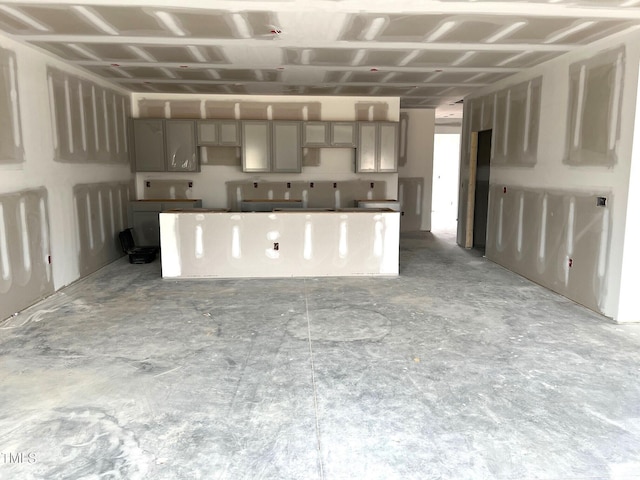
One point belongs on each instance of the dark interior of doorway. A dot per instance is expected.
(481, 204)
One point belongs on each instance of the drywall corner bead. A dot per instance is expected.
(11, 147)
(594, 109)
(487, 113)
(476, 114)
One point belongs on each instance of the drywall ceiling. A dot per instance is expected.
(430, 53)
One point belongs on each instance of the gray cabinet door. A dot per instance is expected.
(387, 147)
(207, 132)
(149, 145)
(181, 150)
(366, 155)
(228, 133)
(146, 228)
(315, 134)
(343, 134)
(256, 146)
(287, 152)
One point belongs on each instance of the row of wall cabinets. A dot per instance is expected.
(267, 145)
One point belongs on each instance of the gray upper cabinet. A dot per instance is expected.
(148, 137)
(165, 145)
(377, 149)
(256, 146)
(316, 134)
(367, 148)
(222, 133)
(329, 134)
(229, 133)
(388, 147)
(271, 146)
(207, 132)
(182, 154)
(287, 151)
(343, 134)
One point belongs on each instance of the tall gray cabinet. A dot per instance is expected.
(377, 149)
(165, 145)
(148, 137)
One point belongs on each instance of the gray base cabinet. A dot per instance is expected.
(145, 220)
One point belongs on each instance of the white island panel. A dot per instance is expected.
(279, 244)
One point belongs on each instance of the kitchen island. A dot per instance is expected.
(198, 243)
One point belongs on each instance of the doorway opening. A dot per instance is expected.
(481, 200)
(444, 188)
(477, 208)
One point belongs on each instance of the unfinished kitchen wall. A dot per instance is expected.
(331, 195)
(90, 122)
(11, 148)
(25, 272)
(415, 177)
(222, 166)
(558, 202)
(42, 247)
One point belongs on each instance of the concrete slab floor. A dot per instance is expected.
(458, 369)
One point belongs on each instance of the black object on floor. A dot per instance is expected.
(136, 254)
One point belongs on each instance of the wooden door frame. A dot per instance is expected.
(471, 189)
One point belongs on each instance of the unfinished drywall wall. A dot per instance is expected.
(25, 272)
(557, 239)
(411, 197)
(167, 189)
(415, 177)
(11, 148)
(220, 165)
(53, 181)
(101, 212)
(513, 114)
(568, 191)
(595, 96)
(90, 122)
